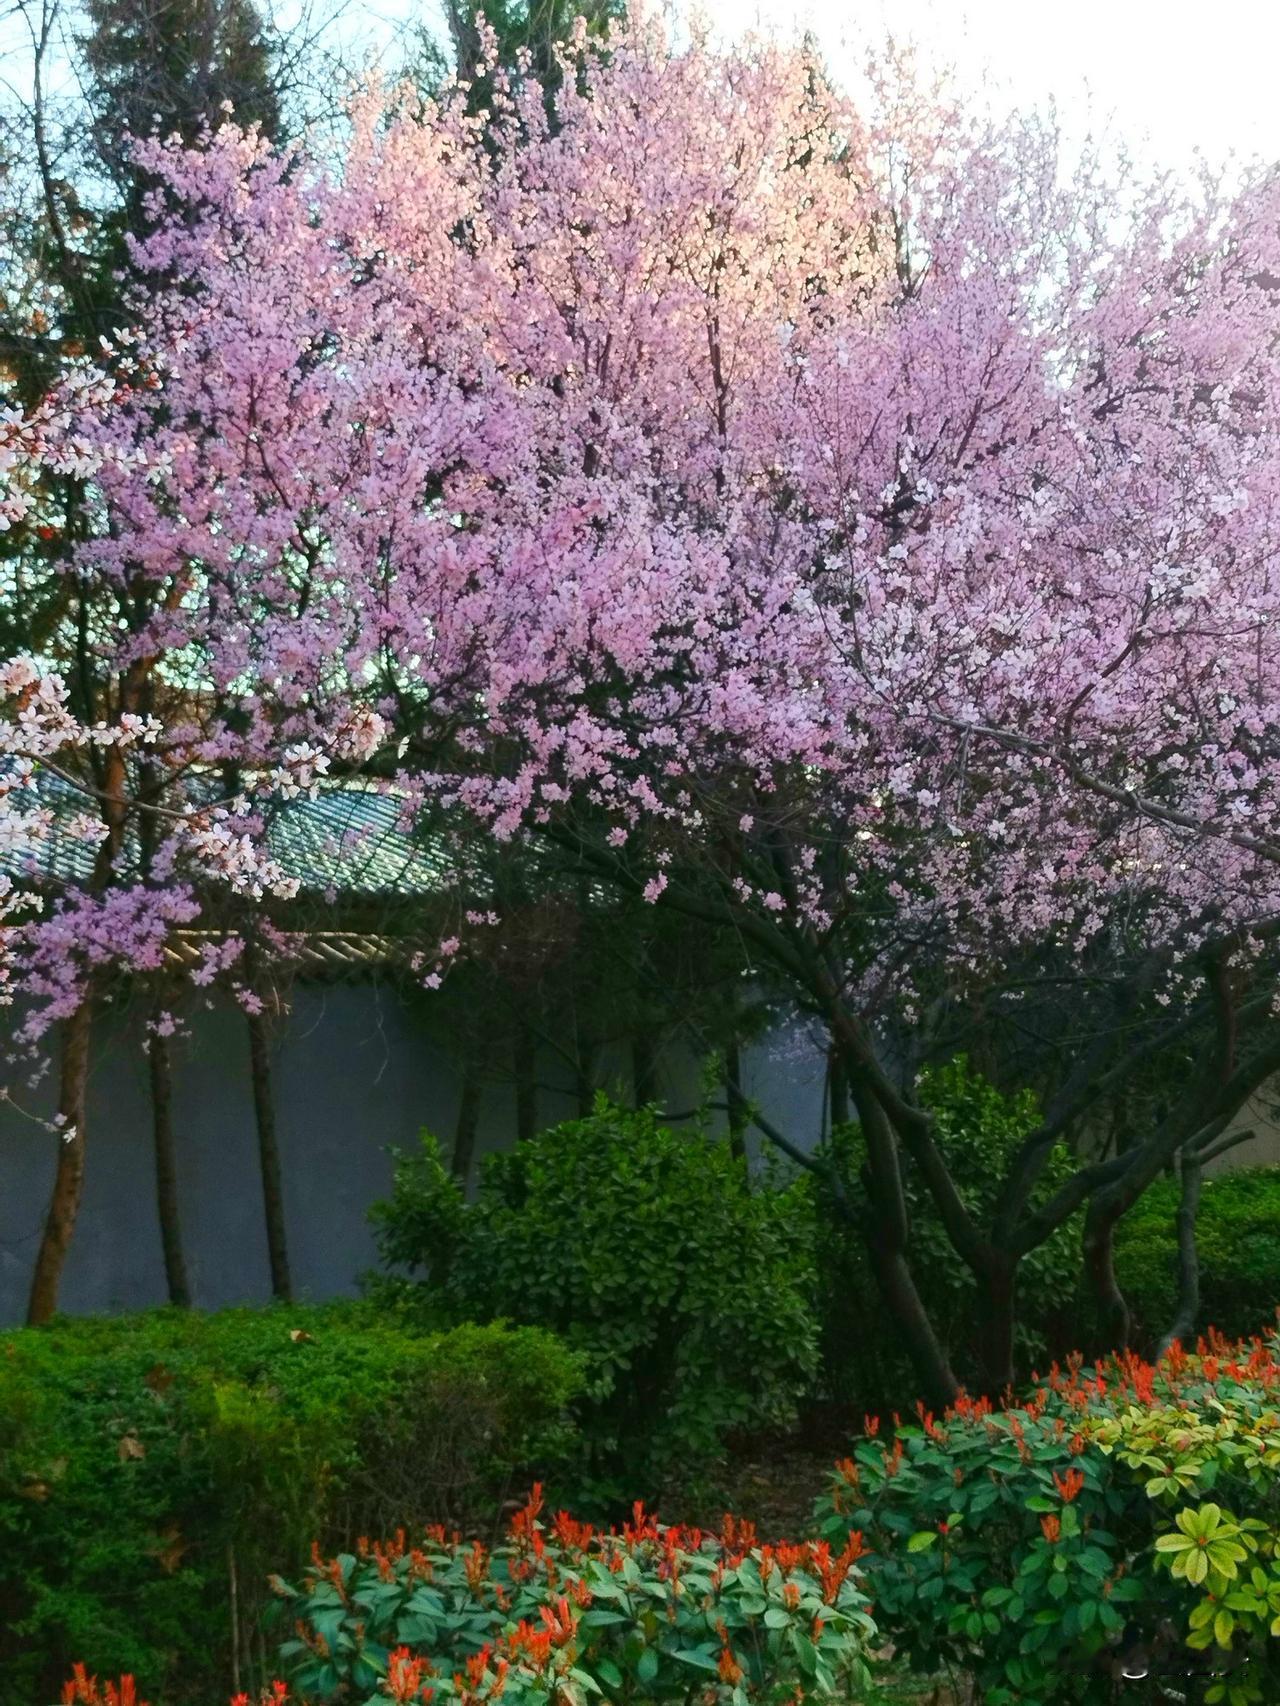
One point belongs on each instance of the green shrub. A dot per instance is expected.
(558, 1613)
(689, 1294)
(153, 1467)
(1238, 1237)
(1126, 1518)
(979, 1128)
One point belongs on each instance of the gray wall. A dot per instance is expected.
(355, 1071)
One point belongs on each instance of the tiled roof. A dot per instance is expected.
(314, 953)
(347, 839)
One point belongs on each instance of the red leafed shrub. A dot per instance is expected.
(559, 1612)
(1121, 1520)
(81, 1689)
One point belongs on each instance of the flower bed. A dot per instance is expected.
(1120, 1521)
(562, 1612)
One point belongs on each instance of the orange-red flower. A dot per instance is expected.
(405, 1676)
(81, 1689)
(477, 1563)
(1069, 1485)
(728, 1668)
(558, 1621)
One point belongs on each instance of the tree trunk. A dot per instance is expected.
(1115, 1323)
(997, 1313)
(269, 1156)
(884, 1232)
(68, 1179)
(160, 1066)
(525, 1065)
(837, 1090)
(887, 1239)
(464, 1136)
(898, 1289)
(735, 1100)
(1183, 1325)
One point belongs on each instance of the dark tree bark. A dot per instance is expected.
(897, 1286)
(68, 1182)
(73, 1077)
(887, 1240)
(464, 1136)
(884, 1233)
(160, 1070)
(1115, 1323)
(1187, 1309)
(269, 1156)
(837, 1091)
(735, 1100)
(997, 1317)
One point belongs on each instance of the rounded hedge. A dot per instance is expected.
(154, 1467)
(689, 1294)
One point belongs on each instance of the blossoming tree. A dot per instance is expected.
(849, 527)
(98, 757)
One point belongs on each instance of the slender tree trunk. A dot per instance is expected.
(160, 1064)
(525, 1066)
(1115, 1324)
(837, 1090)
(884, 1232)
(921, 1343)
(1187, 1310)
(233, 1593)
(736, 1101)
(997, 1314)
(887, 1238)
(464, 1136)
(68, 1181)
(269, 1155)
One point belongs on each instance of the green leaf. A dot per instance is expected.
(416, 1631)
(705, 1658)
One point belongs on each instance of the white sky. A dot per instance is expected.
(1168, 78)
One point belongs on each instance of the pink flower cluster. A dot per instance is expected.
(852, 511)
